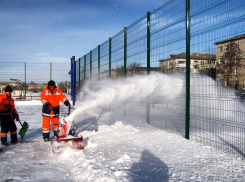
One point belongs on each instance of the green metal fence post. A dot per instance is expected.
(125, 52)
(148, 42)
(148, 108)
(98, 62)
(109, 57)
(84, 67)
(187, 127)
(90, 64)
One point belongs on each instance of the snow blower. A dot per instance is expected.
(66, 136)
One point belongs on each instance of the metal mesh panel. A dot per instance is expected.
(217, 91)
(137, 42)
(217, 112)
(60, 72)
(77, 76)
(88, 64)
(95, 62)
(104, 59)
(38, 72)
(168, 34)
(117, 52)
(12, 70)
(167, 39)
(31, 77)
(81, 68)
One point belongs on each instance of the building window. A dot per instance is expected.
(220, 61)
(228, 60)
(237, 59)
(228, 71)
(202, 62)
(220, 49)
(236, 71)
(166, 63)
(227, 47)
(237, 46)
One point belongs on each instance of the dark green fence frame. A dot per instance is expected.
(174, 29)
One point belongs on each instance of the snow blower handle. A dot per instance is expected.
(69, 110)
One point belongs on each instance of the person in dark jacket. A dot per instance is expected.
(7, 115)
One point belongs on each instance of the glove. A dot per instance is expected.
(67, 103)
(8, 106)
(17, 117)
(48, 105)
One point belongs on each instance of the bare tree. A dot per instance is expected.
(62, 86)
(164, 68)
(170, 68)
(230, 64)
(134, 68)
(118, 71)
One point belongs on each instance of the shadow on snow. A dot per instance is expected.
(149, 168)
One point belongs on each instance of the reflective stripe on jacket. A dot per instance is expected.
(54, 100)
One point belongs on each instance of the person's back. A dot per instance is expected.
(7, 115)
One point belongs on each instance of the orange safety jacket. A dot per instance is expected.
(54, 100)
(5, 112)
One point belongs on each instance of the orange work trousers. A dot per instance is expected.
(46, 124)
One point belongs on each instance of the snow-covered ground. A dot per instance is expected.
(118, 146)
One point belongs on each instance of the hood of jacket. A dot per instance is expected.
(55, 89)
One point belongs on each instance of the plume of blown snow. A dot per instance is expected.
(131, 90)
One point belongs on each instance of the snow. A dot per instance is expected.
(118, 146)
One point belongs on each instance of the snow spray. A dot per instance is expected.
(134, 89)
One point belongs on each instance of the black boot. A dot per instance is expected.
(46, 137)
(4, 141)
(56, 133)
(14, 139)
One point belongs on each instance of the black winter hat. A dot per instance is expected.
(51, 83)
(8, 89)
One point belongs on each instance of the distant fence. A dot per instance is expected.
(33, 76)
(190, 36)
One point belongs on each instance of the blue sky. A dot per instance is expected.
(55, 30)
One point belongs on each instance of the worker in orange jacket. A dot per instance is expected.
(8, 114)
(51, 98)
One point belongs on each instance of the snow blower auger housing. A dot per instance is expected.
(66, 136)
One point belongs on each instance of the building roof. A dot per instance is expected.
(231, 39)
(192, 56)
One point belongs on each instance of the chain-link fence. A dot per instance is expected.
(203, 41)
(28, 79)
